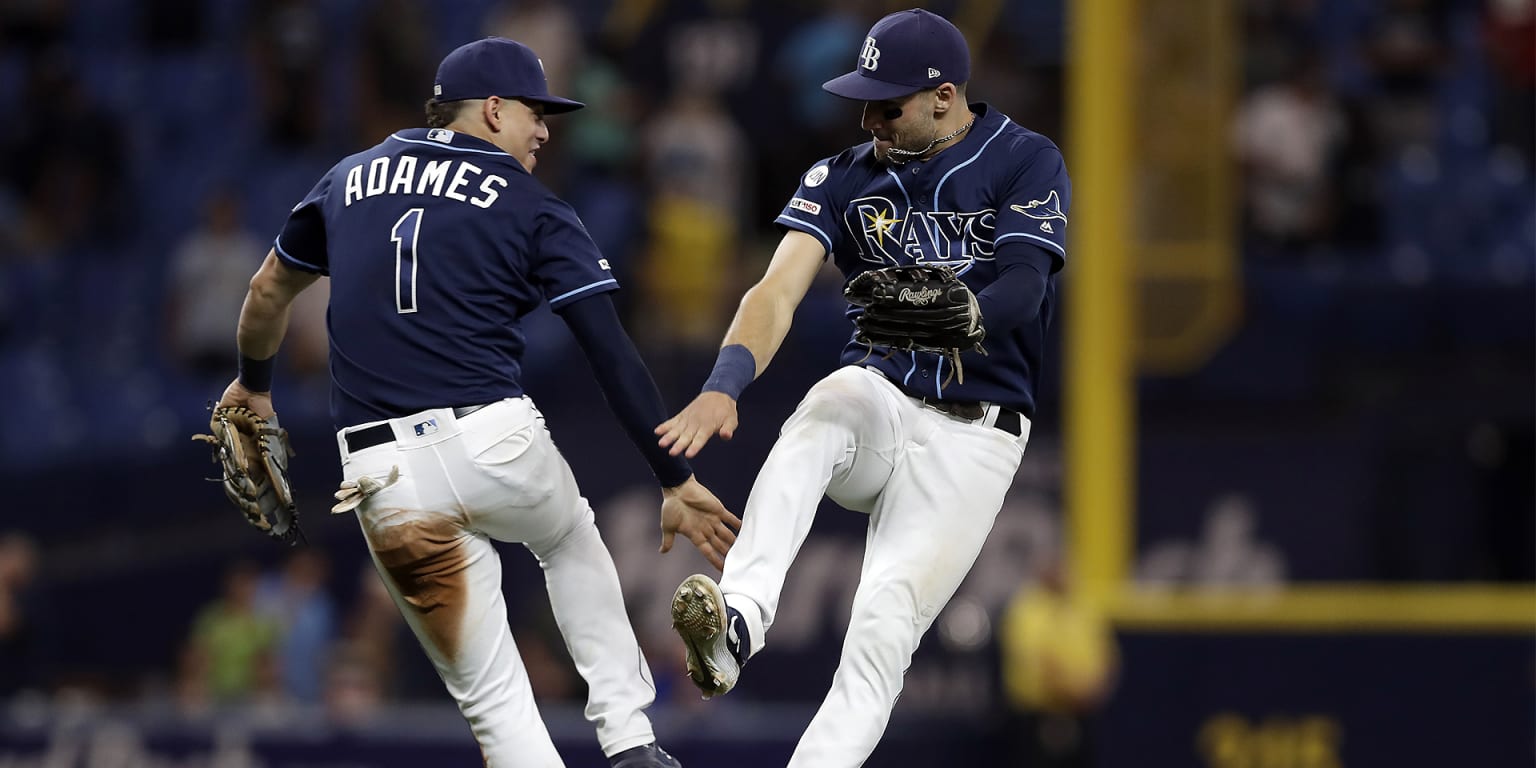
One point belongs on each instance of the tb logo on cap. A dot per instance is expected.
(869, 58)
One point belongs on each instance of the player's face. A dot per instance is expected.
(913, 128)
(522, 131)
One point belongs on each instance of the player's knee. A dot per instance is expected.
(886, 635)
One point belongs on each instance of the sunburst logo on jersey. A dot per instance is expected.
(880, 224)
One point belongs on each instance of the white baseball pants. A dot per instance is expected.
(932, 485)
(496, 474)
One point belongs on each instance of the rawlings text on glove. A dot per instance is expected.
(925, 309)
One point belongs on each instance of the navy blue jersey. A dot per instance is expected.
(1000, 184)
(437, 243)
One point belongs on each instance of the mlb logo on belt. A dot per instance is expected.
(425, 428)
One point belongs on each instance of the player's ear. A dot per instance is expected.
(490, 110)
(943, 98)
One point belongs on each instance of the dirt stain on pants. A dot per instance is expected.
(425, 558)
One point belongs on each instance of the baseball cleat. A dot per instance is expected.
(705, 624)
(646, 756)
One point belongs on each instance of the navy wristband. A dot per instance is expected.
(735, 368)
(256, 375)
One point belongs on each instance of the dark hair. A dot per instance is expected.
(441, 113)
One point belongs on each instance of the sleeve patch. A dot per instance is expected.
(801, 204)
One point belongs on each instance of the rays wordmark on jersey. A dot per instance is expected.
(889, 235)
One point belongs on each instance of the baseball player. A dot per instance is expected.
(437, 241)
(928, 456)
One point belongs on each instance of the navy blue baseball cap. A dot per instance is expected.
(904, 53)
(496, 66)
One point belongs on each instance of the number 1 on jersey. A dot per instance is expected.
(404, 235)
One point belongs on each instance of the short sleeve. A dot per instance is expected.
(1035, 202)
(301, 244)
(565, 261)
(812, 209)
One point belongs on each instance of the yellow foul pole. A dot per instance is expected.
(1098, 382)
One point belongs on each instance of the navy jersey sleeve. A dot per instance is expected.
(1034, 204)
(625, 381)
(566, 262)
(812, 210)
(301, 244)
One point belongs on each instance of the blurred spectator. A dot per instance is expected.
(1406, 46)
(1059, 664)
(1229, 552)
(210, 273)
(397, 65)
(23, 643)
(605, 186)
(297, 600)
(66, 162)
(1272, 32)
(231, 644)
(696, 160)
(1286, 134)
(550, 28)
(1504, 455)
(291, 54)
(307, 350)
(353, 690)
(34, 27)
(168, 26)
(1510, 32)
(551, 673)
(372, 638)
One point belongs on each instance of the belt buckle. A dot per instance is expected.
(967, 411)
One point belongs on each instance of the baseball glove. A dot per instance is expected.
(918, 308)
(254, 454)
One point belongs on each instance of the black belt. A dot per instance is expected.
(1008, 420)
(380, 434)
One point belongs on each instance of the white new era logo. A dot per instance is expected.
(932, 73)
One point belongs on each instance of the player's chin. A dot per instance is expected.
(530, 160)
(882, 149)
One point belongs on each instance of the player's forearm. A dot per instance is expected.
(766, 311)
(263, 323)
(1015, 297)
(761, 325)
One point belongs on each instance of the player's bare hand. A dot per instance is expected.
(691, 510)
(710, 414)
(237, 394)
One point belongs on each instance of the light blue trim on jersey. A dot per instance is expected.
(441, 145)
(938, 378)
(1051, 243)
(827, 241)
(277, 244)
(905, 195)
(938, 190)
(584, 288)
(910, 371)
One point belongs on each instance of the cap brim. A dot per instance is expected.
(554, 105)
(855, 85)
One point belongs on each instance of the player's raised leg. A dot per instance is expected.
(840, 440)
(924, 536)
